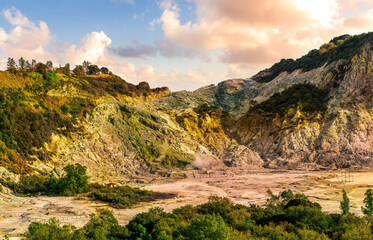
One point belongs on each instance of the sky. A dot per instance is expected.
(182, 44)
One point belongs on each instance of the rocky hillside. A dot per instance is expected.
(312, 112)
(108, 125)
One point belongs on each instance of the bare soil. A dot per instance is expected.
(16, 213)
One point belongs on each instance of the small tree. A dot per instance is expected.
(50, 230)
(86, 64)
(11, 65)
(42, 69)
(79, 71)
(208, 227)
(33, 64)
(143, 86)
(28, 66)
(75, 181)
(49, 66)
(368, 201)
(345, 203)
(22, 64)
(93, 70)
(64, 70)
(103, 226)
(104, 70)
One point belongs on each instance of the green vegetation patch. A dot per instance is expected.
(114, 85)
(26, 129)
(126, 196)
(74, 181)
(29, 117)
(146, 134)
(77, 107)
(307, 97)
(285, 216)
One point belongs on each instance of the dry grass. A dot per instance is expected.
(10, 80)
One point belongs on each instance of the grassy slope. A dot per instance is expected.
(32, 109)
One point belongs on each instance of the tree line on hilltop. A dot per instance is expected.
(23, 65)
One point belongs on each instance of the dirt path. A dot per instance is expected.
(323, 187)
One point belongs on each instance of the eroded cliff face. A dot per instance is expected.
(121, 141)
(341, 135)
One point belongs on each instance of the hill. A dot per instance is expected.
(313, 112)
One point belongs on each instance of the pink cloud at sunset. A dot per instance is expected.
(263, 32)
(186, 43)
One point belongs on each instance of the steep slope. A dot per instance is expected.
(46, 124)
(338, 135)
(108, 125)
(331, 127)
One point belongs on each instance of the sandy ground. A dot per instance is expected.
(246, 188)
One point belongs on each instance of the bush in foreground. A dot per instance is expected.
(287, 216)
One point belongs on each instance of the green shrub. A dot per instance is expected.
(121, 196)
(272, 232)
(186, 212)
(74, 182)
(104, 227)
(208, 227)
(126, 196)
(219, 219)
(307, 97)
(307, 217)
(50, 230)
(216, 205)
(32, 184)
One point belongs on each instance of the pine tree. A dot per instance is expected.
(22, 64)
(11, 65)
(28, 66)
(86, 64)
(345, 203)
(33, 64)
(49, 66)
(368, 201)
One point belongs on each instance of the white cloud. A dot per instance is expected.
(32, 41)
(91, 48)
(321, 10)
(239, 70)
(247, 35)
(175, 80)
(26, 38)
(252, 32)
(15, 17)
